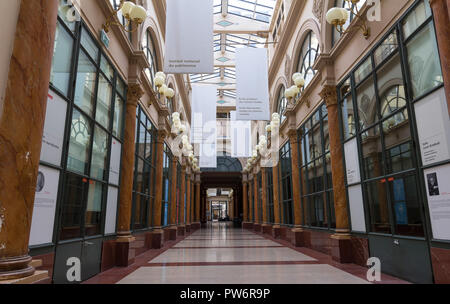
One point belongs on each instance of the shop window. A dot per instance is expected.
(316, 178)
(385, 97)
(282, 105)
(286, 184)
(62, 60)
(148, 46)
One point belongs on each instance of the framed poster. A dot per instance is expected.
(114, 166)
(44, 206)
(111, 210)
(358, 219)
(433, 125)
(53, 137)
(352, 162)
(438, 192)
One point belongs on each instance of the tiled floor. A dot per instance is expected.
(223, 255)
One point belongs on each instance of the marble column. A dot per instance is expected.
(276, 229)
(135, 92)
(188, 203)
(265, 220)
(173, 198)
(245, 200)
(21, 127)
(181, 222)
(250, 199)
(441, 10)
(157, 233)
(197, 203)
(256, 202)
(298, 233)
(341, 241)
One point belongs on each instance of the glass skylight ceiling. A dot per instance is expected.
(225, 44)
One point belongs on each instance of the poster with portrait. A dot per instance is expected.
(437, 182)
(44, 206)
(433, 125)
(53, 137)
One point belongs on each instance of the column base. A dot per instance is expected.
(173, 233)
(195, 226)
(341, 248)
(39, 277)
(257, 227)
(247, 225)
(276, 231)
(125, 254)
(298, 237)
(181, 230)
(204, 225)
(154, 239)
(267, 229)
(188, 228)
(16, 268)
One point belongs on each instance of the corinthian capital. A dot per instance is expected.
(134, 93)
(329, 95)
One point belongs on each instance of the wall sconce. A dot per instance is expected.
(133, 14)
(338, 16)
(293, 91)
(163, 89)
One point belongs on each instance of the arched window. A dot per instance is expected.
(392, 101)
(308, 55)
(282, 104)
(150, 52)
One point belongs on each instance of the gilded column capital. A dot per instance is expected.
(134, 93)
(329, 95)
(293, 136)
(161, 135)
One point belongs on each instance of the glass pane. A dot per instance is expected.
(348, 117)
(423, 61)
(406, 205)
(93, 218)
(378, 206)
(372, 153)
(141, 146)
(85, 84)
(62, 60)
(74, 192)
(107, 68)
(330, 195)
(367, 109)
(79, 146)
(118, 118)
(104, 97)
(416, 18)
(99, 154)
(317, 211)
(364, 70)
(89, 45)
(120, 87)
(139, 176)
(388, 46)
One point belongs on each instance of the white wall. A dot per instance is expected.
(8, 24)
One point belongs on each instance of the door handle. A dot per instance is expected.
(88, 244)
(396, 242)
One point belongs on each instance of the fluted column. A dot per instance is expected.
(441, 10)
(341, 240)
(22, 119)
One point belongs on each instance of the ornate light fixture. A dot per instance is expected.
(338, 16)
(293, 91)
(162, 88)
(133, 14)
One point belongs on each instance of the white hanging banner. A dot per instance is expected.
(252, 84)
(204, 123)
(189, 37)
(240, 137)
